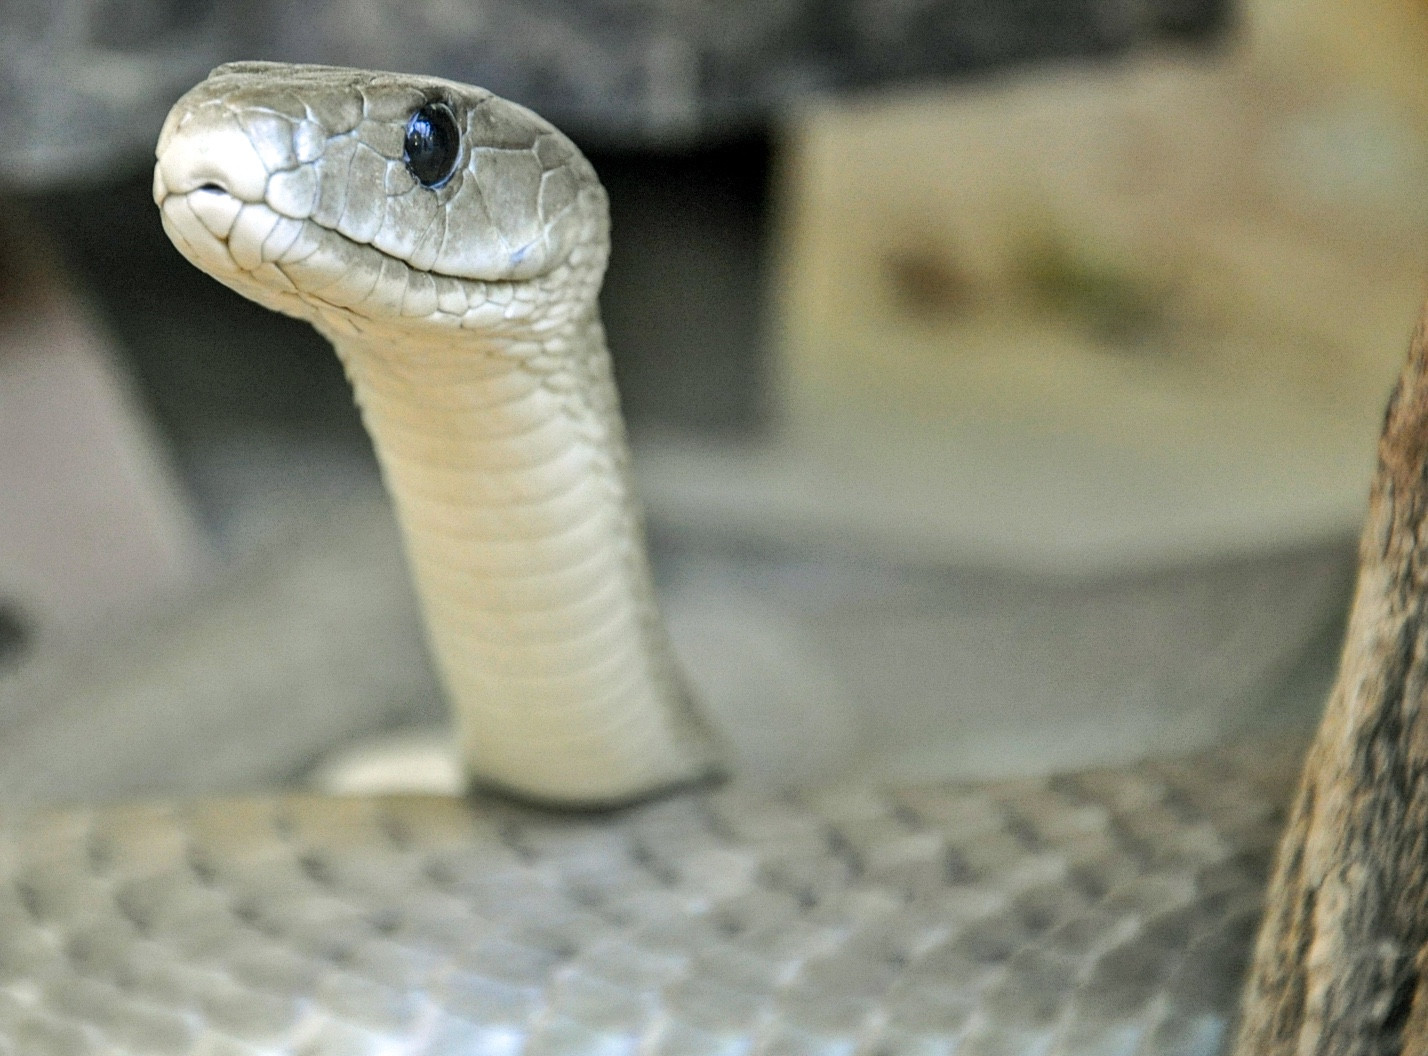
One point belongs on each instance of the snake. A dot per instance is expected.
(606, 887)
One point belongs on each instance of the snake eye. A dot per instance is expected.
(433, 145)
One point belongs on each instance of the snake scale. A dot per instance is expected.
(451, 245)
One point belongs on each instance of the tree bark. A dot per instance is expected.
(1340, 963)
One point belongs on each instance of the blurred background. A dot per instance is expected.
(1003, 377)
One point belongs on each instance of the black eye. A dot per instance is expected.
(433, 145)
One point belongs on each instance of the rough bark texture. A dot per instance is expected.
(1340, 962)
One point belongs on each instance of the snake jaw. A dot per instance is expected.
(241, 244)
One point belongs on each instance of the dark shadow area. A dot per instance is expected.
(14, 634)
(684, 299)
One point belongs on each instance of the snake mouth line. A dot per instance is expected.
(212, 188)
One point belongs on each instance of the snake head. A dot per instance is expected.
(351, 199)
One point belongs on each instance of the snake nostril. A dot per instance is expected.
(212, 187)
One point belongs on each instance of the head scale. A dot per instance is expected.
(344, 196)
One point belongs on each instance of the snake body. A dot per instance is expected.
(1107, 912)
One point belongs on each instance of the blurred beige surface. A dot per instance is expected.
(1155, 306)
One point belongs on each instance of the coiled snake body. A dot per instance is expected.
(451, 245)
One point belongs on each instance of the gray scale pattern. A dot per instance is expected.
(1109, 912)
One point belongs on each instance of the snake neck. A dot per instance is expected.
(507, 463)
(1340, 962)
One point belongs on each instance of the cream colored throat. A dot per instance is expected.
(507, 464)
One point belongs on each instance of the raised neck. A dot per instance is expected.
(506, 459)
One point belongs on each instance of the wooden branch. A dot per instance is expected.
(1340, 964)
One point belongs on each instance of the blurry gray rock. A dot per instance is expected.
(84, 84)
